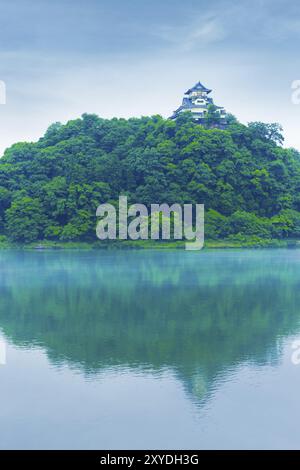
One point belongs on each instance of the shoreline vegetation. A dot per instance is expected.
(50, 190)
(237, 243)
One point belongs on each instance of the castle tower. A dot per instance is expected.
(197, 101)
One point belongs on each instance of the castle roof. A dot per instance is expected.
(198, 87)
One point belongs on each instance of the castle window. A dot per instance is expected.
(199, 101)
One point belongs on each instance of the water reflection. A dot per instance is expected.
(196, 314)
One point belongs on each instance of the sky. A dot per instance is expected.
(61, 58)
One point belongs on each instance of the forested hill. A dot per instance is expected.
(247, 181)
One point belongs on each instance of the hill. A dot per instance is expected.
(248, 182)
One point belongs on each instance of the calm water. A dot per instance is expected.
(150, 349)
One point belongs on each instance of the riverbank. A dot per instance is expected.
(241, 242)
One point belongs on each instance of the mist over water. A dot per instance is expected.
(134, 349)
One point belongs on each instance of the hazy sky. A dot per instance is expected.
(61, 58)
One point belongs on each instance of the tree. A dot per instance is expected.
(270, 132)
(247, 181)
(212, 117)
(25, 220)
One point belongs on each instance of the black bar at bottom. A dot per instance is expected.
(133, 459)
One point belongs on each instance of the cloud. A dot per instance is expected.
(196, 33)
(61, 58)
(239, 24)
(283, 29)
(207, 32)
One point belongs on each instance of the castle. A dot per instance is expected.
(197, 101)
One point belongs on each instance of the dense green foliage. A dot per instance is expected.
(247, 181)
